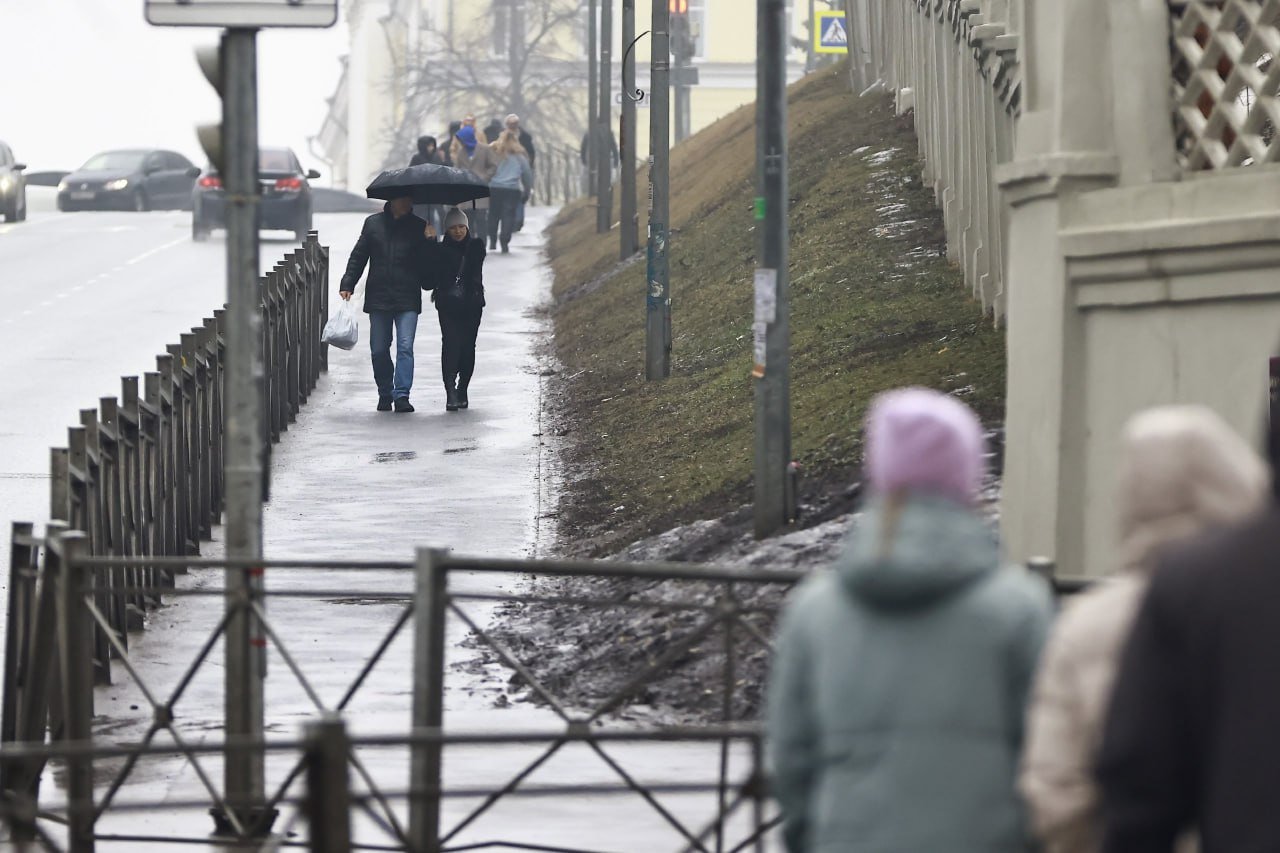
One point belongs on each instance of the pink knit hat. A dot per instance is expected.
(920, 440)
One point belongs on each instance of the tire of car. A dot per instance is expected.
(199, 233)
(140, 201)
(300, 233)
(11, 210)
(20, 206)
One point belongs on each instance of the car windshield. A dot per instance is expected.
(115, 160)
(274, 160)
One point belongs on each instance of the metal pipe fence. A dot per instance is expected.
(559, 174)
(142, 477)
(73, 590)
(68, 598)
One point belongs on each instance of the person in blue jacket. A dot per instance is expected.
(899, 685)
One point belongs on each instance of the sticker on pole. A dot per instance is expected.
(766, 296)
(766, 284)
(760, 334)
(242, 13)
(830, 34)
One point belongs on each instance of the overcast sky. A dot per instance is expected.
(82, 76)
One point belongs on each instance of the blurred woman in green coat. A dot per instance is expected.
(898, 688)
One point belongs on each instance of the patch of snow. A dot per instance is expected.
(882, 157)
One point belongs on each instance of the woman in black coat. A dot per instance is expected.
(458, 280)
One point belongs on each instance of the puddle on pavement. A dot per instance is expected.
(395, 456)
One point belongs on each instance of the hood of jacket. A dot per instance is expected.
(1184, 470)
(913, 551)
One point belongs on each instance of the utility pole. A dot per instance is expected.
(246, 481)
(233, 149)
(657, 329)
(628, 238)
(592, 150)
(682, 50)
(774, 490)
(604, 158)
(810, 58)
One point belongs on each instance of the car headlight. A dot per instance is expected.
(62, 185)
(117, 184)
(5, 183)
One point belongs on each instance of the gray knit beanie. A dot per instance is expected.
(454, 217)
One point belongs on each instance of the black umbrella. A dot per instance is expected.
(428, 183)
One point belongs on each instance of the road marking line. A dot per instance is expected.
(151, 252)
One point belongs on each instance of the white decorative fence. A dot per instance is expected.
(955, 62)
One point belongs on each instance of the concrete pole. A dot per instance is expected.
(604, 154)
(774, 494)
(244, 438)
(809, 56)
(628, 237)
(680, 25)
(657, 330)
(593, 149)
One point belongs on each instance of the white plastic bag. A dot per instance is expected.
(343, 329)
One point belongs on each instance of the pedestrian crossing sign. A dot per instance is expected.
(830, 35)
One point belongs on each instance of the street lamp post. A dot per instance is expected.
(604, 160)
(657, 330)
(592, 149)
(628, 240)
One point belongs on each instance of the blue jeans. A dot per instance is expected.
(396, 381)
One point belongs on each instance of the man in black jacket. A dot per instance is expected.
(1192, 739)
(397, 247)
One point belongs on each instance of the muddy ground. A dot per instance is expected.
(589, 639)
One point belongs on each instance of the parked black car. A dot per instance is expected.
(286, 196)
(133, 179)
(13, 186)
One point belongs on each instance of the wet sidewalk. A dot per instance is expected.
(351, 483)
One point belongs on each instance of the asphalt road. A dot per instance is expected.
(85, 299)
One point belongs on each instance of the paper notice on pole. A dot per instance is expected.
(760, 333)
(766, 296)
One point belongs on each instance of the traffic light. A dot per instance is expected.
(683, 43)
(209, 58)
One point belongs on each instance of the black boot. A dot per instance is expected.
(384, 402)
(450, 400)
(403, 405)
(462, 397)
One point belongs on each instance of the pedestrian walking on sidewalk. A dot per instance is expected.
(396, 245)
(458, 281)
(898, 686)
(512, 181)
(526, 141)
(478, 158)
(428, 154)
(1183, 471)
(1190, 739)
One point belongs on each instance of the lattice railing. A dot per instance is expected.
(1226, 82)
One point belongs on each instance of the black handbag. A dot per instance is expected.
(455, 292)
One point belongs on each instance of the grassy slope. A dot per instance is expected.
(873, 306)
